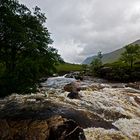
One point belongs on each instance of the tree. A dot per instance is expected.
(131, 54)
(96, 63)
(100, 56)
(25, 51)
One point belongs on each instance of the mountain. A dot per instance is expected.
(110, 57)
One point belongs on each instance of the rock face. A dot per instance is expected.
(55, 128)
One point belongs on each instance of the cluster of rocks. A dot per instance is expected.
(74, 87)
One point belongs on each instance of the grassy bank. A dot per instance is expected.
(67, 67)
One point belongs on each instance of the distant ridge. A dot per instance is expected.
(110, 57)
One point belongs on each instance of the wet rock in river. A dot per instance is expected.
(55, 128)
(135, 85)
(66, 130)
(68, 87)
(73, 95)
(73, 87)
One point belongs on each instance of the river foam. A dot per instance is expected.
(112, 102)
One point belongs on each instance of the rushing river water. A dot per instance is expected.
(57, 82)
(105, 110)
(114, 110)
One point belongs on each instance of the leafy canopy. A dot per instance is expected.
(131, 54)
(25, 51)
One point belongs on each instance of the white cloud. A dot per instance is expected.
(83, 27)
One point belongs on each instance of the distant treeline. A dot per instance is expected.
(126, 69)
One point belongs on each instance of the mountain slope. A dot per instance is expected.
(110, 57)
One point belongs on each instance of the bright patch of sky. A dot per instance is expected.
(81, 28)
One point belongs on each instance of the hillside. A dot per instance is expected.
(109, 57)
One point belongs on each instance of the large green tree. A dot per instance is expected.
(131, 54)
(25, 51)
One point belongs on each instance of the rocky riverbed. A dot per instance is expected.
(109, 111)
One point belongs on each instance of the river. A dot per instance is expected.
(105, 110)
(113, 108)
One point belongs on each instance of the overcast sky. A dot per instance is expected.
(81, 28)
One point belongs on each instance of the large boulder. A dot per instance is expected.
(65, 130)
(55, 128)
(73, 86)
(68, 87)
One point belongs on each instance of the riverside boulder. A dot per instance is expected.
(55, 128)
(73, 88)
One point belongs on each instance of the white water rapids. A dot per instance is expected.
(111, 101)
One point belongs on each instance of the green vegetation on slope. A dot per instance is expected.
(126, 68)
(67, 67)
(110, 57)
(107, 58)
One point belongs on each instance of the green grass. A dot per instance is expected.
(67, 67)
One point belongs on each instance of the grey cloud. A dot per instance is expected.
(81, 28)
